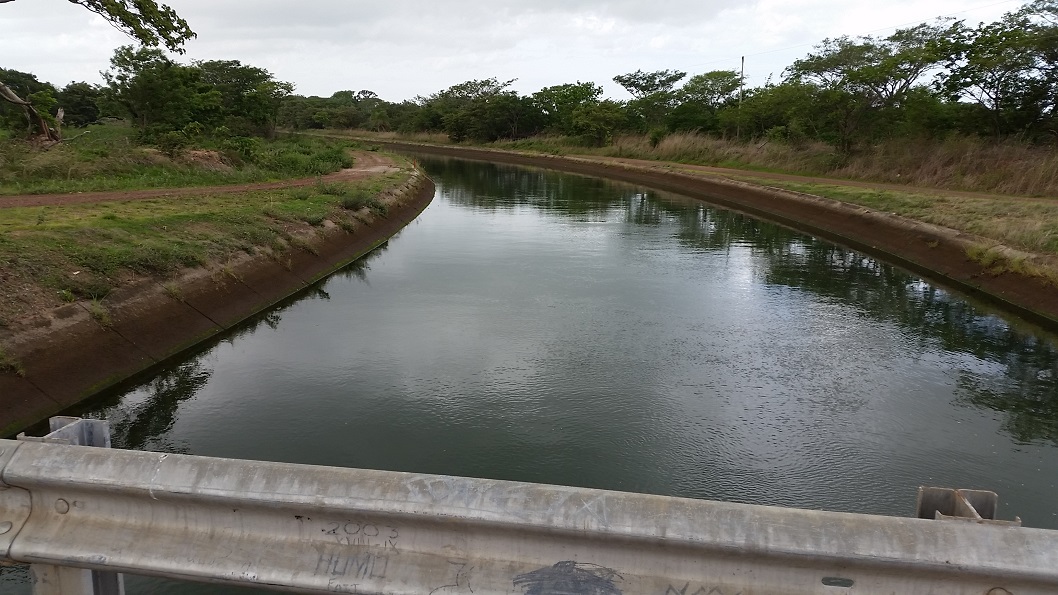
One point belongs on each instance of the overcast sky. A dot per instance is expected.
(403, 48)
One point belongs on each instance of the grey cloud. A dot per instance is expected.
(332, 14)
(403, 48)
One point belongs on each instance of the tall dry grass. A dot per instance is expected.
(961, 163)
(958, 163)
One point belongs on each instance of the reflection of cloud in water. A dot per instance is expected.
(1002, 367)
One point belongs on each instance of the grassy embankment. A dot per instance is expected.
(60, 254)
(107, 157)
(1021, 181)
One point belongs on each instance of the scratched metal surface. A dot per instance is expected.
(335, 530)
(548, 328)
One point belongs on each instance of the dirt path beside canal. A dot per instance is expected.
(367, 165)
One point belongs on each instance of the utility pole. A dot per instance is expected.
(741, 86)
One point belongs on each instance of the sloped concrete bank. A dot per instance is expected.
(933, 252)
(69, 354)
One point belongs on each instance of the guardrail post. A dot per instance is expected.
(63, 580)
(946, 504)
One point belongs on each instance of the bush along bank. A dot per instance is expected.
(55, 358)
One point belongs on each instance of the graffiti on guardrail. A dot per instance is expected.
(362, 533)
(342, 564)
(461, 574)
(576, 578)
(514, 499)
(701, 590)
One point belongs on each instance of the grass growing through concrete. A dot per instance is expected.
(106, 157)
(86, 251)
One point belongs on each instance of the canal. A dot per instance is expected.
(545, 327)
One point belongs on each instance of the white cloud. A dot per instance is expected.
(404, 48)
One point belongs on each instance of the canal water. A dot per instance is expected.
(544, 327)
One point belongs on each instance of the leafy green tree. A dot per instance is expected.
(700, 98)
(643, 84)
(862, 81)
(250, 97)
(998, 66)
(596, 123)
(653, 94)
(158, 94)
(712, 88)
(880, 70)
(789, 110)
(483, 110)
(146, 21)
(557, 103)
(79, 101)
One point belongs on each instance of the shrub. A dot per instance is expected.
(171, 143)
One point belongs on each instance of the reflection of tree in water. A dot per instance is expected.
(1018, 369)
(358, 269)
(146, 424)
(1019, 375)
(496, 186)
(144, 421)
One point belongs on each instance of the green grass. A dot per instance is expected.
(1024, 223)
(107, 157)
(85, 251)
(100, 314)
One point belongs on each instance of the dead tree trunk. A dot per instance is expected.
(33, 117)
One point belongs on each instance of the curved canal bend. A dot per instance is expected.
(545, 327)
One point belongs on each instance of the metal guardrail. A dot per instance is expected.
(322, 529)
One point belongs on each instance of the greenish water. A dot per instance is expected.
(543, 327)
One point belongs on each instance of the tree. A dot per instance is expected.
(643, 84)
(882, 71)
(711, 88)
(159, 94)
(148, 22)
(597, 122)
(862, 80)
(32, 115)
(483, 110)
(652, 92)
(557, 103)
(998, 66)
(78, 100)
(700, 98)
(250, 97)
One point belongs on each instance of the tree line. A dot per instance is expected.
(161, 97)
(997, 79)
